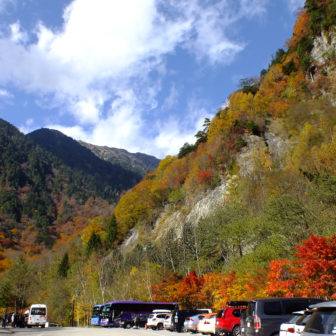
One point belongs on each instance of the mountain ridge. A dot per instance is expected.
(138, 162)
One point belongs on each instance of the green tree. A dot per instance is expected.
(278, 57)
(59, 301)
(6, 297)
(94, 243)
(111, 231)
(185, 150)
(21, 277)
(64, 266)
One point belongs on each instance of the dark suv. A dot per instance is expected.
(264, 316)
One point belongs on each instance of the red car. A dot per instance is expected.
(228, 319)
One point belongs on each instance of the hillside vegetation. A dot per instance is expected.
(247, 211)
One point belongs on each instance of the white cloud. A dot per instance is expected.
(16, 33)
(105, 54)
(171, 99)
(87, 110)
(171, 137)
(5, 94)
(75, 132)
(28, 126)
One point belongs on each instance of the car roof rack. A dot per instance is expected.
(237, 303)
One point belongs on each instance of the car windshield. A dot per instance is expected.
(322, 321)
(303, 319)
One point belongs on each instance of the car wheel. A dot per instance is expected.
(128, 325)
(160, 326)
(236, 331)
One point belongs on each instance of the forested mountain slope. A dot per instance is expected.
(261, 177)
(138, 163)
(51, 193)
(109, 179)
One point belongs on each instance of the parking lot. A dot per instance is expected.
(89, 332)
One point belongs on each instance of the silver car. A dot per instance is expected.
(322, 321)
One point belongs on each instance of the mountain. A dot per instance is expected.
(49, 182)
(251, 207)
(261, 181)
(139, 163)
(110, 178)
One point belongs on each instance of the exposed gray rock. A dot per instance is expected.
(324, 48)
(192, 213)
(248, 157)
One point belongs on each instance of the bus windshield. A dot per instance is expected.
(96, 311)
(106, 311)
(38, 311)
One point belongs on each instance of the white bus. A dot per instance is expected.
(37, 316)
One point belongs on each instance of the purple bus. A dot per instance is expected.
(124, 313)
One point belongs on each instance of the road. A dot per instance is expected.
(87, 332)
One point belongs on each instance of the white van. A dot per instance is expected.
(37, 315)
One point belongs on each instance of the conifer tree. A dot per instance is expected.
(94, 243)
(64, 266)
(111, 231)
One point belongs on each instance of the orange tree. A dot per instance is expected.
(316, 264)
(312, 272)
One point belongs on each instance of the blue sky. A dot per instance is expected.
(141, 75)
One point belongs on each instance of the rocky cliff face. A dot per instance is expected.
(324, 48)
(203, 204)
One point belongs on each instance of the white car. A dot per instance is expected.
(207, 324)
(157, 318)
(288, 328)
(168, 323)
(322, 320)
(190, 323)
(301, 322)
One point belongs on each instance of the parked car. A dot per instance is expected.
(301, 322)
(264, 316)
(207, 324)
(190, 323)
(156, 319)
(179, 316)
(228, 319)
(288, 328)
(322, 320)
(168, 323)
